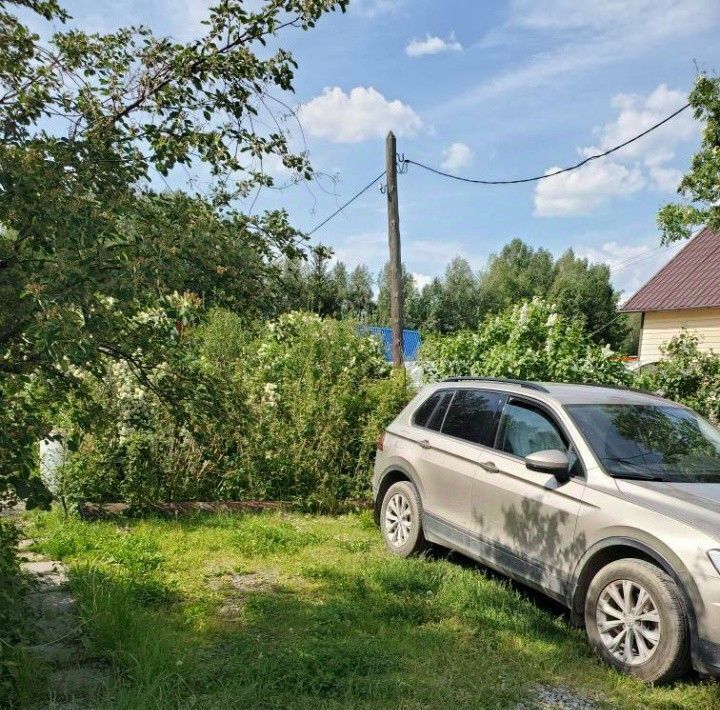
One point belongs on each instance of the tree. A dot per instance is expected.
(518, 273)
(339, 278)
(321, 286)
(686, 374)
(86, 122)
(701, 184)
(582, 289)
(360, 293)
(410, 294)
(460, 304)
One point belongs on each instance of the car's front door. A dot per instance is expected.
(450, 455)
(525, 520)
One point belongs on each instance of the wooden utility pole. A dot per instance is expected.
(396, 286)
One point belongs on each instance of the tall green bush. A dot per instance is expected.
(11, 612)
(290, 411)
(529, 341)
(686, 374)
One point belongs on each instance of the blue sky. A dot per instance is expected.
(485, 89)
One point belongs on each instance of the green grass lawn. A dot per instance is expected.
(295, 611)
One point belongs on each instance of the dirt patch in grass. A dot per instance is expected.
(238, 586)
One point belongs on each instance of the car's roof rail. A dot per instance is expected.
(649, 393)
(500, 380)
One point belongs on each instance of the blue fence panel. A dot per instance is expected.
(411, 340)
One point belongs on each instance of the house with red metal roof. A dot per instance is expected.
(683, 295)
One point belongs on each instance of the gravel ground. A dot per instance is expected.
(545, 697)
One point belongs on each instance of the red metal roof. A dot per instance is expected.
(691, 279)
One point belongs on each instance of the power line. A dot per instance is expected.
(624, 265)
(609, 323)
(346, 204)
(536, 178)
(633, 261)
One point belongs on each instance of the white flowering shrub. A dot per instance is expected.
(531, 341)
(686, 374)
(312, 392)
(290, 411)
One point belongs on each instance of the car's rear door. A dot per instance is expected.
(525, 520)
(451, 452)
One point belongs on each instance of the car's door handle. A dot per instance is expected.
(425, 444)
(489, 466)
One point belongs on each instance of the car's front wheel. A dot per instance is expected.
(636, 620)
(401, 519)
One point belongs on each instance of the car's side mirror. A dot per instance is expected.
(551, 461)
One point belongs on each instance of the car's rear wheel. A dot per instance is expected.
(636, 620)
(401, 519)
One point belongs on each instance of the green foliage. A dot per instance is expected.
(12, 612)
(530, 341)
(701, 184)
(290, 411)
(582, 289)
(461, 298)
(87, 123)
(686, 374)
(518, 273)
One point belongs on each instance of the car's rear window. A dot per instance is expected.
(431, 412)
(472, 416)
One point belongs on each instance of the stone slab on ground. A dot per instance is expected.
(27, 556)
(47, 573)
(77, 676)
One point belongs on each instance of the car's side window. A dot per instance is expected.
(525, 430)
(431, 412)
(472, 416)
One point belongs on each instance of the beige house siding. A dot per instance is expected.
(661, 326)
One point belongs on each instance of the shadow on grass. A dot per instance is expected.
(387, 634)
(358, 631)
(395, 633)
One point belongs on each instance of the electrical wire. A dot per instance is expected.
(625, 265)
(344, 205)
(536, 178)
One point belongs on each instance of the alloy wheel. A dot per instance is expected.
(628, 621)
(398, 520)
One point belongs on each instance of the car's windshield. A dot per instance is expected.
(655, 442)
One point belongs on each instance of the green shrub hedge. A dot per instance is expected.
(290, 411)
(530, 341)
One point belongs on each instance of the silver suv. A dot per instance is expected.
(604, 498)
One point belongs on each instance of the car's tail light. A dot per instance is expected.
(381, 442)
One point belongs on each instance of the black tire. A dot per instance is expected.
(670, 657)
(415, 540)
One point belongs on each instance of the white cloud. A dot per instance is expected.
(630, 266)
(655, 150)
(456, 156)
(583, 191)
(645, 162)
(665, 179)
(668, 16)
(432, 45)
(363, 113)
(616, 255)
(421, 280)
(584, 34)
